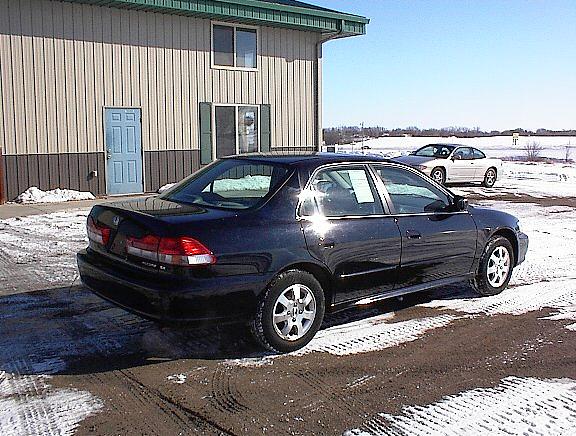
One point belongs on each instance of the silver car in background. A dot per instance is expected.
(453, 163)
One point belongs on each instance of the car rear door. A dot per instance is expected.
(350, 230)
(438, 242)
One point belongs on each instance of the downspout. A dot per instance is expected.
(318, 79)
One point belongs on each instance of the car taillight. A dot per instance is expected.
(97, 233)
(173, 251)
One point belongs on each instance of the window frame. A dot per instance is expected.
(482, 154)
(381, 185)
(213, 65)
(235, 106)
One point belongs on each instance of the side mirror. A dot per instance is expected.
(460, 203)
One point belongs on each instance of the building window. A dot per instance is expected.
(234, 47)
(236, 129)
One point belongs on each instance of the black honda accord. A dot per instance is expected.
(275, 241)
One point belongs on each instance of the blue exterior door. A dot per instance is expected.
(123, 151)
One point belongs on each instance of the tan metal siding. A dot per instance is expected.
(62, 63)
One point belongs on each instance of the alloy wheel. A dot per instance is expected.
(498, 267)
(294, 312)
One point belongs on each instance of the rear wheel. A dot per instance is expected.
(438, 175)
(289, 312)
(495, 269)
(490, 178)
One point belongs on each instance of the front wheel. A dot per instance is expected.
(489, 178)
(495, 269)
(289, 312)
(438, 175)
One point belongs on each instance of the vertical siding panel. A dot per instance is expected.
(177, 128)
(194, 82)
(69, 63)
(61, 108)
(289, 85)
(134, 79)
(107, 53)
(125, 78)
(144, 80)
(17, 78)
(28, 74)
(298, 97)
(6, 75)
(99, 85)
(79, 79)
(50, 77)
(310, 104)
(22, 171)
(89, 72)
(117, 76)
(153, 109)
(169, 97)
(31, 164)
(161, 83)
(38, 72)
(263, 64)
(184, 45)
(44, 172)
(53, 171)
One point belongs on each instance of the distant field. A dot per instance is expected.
(496, 146)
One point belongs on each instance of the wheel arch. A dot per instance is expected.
(511, 236)
(320, 273)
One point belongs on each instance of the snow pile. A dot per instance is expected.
(29, 405)
(164, 188)
(246, 183)
(515, 406)
(35, 195)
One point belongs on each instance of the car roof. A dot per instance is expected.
(308, 158)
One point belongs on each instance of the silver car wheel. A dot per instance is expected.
(498, 267)
(490, 177)
(294, 312)
(438, 176)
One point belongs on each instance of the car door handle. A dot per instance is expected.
(413, 234)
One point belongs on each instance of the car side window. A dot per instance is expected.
(411, 193)
(463, 153)
(346, 191)
(478, 154)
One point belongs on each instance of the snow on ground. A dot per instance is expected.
(494, 146)
(546, 279)
(515, 406)
(30, 406)
(45, 244)
(35, 195)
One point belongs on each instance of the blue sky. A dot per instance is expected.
(492, 64)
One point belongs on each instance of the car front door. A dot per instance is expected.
(350, 230)
(462, 165)
(438, 242)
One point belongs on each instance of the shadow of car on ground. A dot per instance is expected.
(72, 331)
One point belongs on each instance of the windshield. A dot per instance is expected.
(229, 184)
(435, 150)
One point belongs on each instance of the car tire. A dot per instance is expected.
(490, 178)
(276, 302)
(495, 268)
(438, 174)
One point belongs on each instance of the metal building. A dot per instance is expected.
(124, 96)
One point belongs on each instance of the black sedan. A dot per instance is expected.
(274, 241)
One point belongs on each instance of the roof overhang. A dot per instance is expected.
(250, 12)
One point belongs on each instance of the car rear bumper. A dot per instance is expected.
(230, 299)
(522, 247)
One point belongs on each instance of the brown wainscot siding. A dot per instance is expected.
(168, 166)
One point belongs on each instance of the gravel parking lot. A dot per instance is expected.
(442, 362)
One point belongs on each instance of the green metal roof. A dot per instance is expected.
(279, 13)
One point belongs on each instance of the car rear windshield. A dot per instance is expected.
(435, 150)
(230, 184)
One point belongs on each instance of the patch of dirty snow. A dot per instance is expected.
(30, 406)
(370, 334)
(515, 406)
(164, 188)
(177, 378)
(36, 195)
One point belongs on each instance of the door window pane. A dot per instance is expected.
(410, 193)
(346, 192)
(223, 45)
(247, 129)
(225, 130)
(246, 48)
(463, 153)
